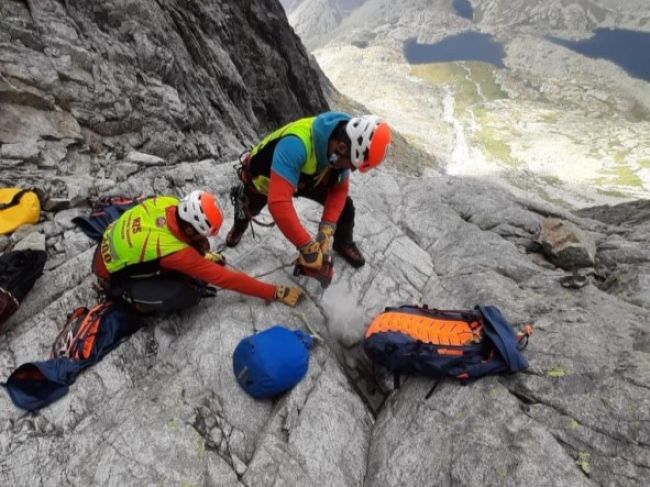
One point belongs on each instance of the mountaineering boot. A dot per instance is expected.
(350, 252)
(236, 232)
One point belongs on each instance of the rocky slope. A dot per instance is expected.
(552, 124)
(164, 407)
(179, 83)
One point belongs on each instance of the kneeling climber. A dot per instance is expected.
(156, 256)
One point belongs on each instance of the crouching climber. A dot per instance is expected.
(310, 158)
(157, 257)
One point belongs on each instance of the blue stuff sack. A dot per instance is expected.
(271, 362)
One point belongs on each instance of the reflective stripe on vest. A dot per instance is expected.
(140, 235)
(303, 130)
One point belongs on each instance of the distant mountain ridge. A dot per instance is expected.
(548, 105)
(319, 22)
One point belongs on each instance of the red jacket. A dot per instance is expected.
(190, 261)
(280, 203)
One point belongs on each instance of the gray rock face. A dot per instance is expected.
(164, 407)
(576, 417)
(623, 257)
(33, 241)
(175, 82)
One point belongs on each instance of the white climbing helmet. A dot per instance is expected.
(369, 140)
(201, 210)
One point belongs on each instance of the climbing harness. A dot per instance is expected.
(238, 196)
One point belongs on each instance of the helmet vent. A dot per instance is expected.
(367, 141)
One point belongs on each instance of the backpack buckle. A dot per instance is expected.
(524, 331)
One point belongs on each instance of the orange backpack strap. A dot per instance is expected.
(63, 340)
(84, 341)
(77, 338)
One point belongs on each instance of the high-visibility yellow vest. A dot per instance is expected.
(141, 234)
(303, 130)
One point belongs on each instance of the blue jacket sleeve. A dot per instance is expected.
(289, 157)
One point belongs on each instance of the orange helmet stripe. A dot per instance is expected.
(212, 211)
(381, 140)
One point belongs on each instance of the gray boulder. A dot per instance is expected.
(565, 244)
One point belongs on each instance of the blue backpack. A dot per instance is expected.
(464, 344)
(271, 362)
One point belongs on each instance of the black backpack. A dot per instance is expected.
(19, 270)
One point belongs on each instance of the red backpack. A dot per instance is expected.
(77, 338)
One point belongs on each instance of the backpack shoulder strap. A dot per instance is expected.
(66, 333)
(435, 385)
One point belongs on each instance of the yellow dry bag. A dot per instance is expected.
(18, 207)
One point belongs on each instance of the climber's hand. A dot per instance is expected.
(288, 295)
(324, 237)
(215, 257)
(311, 256)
